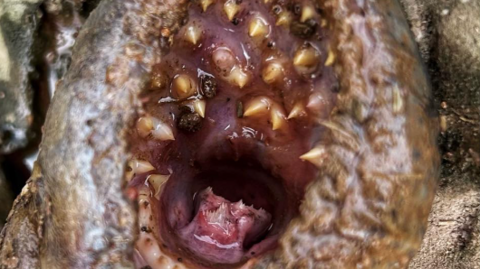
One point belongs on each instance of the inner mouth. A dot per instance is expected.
(230, 136)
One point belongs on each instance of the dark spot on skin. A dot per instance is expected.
(145, 229)
(304, 30)
(89, 122)
(208, 86)
(235, 21)
(180, 260)
(190, 122)
(416, 154)
(238, 2)
(228, 99)
(271, 44)
(146, 267)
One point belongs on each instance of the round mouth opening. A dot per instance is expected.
(224, 212)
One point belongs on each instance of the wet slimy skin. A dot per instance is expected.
(340, 146)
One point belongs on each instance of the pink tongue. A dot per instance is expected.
(221, 229)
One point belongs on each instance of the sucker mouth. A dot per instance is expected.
(229, 136)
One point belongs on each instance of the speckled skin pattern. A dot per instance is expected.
(368, 209)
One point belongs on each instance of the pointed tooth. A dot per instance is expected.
(140, 166)
(162, 131)
(297, 111)
(316, 156)
(277, 118)
(306, 57)
(193, 34)
(272, 72)
(308, 12)
(284, 19)
(157, 181)
(330, 58)
(258, 27)
(144, 126)
(231, 9)
(199, 107)
(184, 86)
(238, 77)
(258, 106)
(205, 4)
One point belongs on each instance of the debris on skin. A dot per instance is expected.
(190, 121)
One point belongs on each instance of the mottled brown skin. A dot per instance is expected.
(381, 144)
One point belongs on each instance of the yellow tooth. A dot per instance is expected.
(199, 106)
(162, 131)
(316, 156)
(144, 126)
(330, 58)
(297, 111)
(284, 19)
(192, 34)
(323, 22)
(139, 166)
(307, 13)
(184, 86)
(205, 4)
(258, 106)
(157, 181)
(258, 27)
(306, 57)
(231, 9)
(272, 72)
(277, 118)
(238, 77)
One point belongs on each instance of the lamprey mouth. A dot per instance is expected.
(230, 129)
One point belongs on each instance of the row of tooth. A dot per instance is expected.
(147, 246)
(305, 60)
(261, 106)
(136, 167)
(149, 126)
(231, 9)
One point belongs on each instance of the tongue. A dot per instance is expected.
(221, 229)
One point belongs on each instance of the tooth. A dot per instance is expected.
(140, 167)
(272, 72)
(307, 13)
(223, 58)
(330, 58)
(306, 57)
(257, 106)
(162, 131)
(184, 86)
(316, 156)
(157, 181)
(205, 4)
(277, 118)
(199, 106)
(231, 9)
(238, 76)
(144, 126)
(258, 27)
(284, 18)
(193, 34)
(297, 111)
(323, 22)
